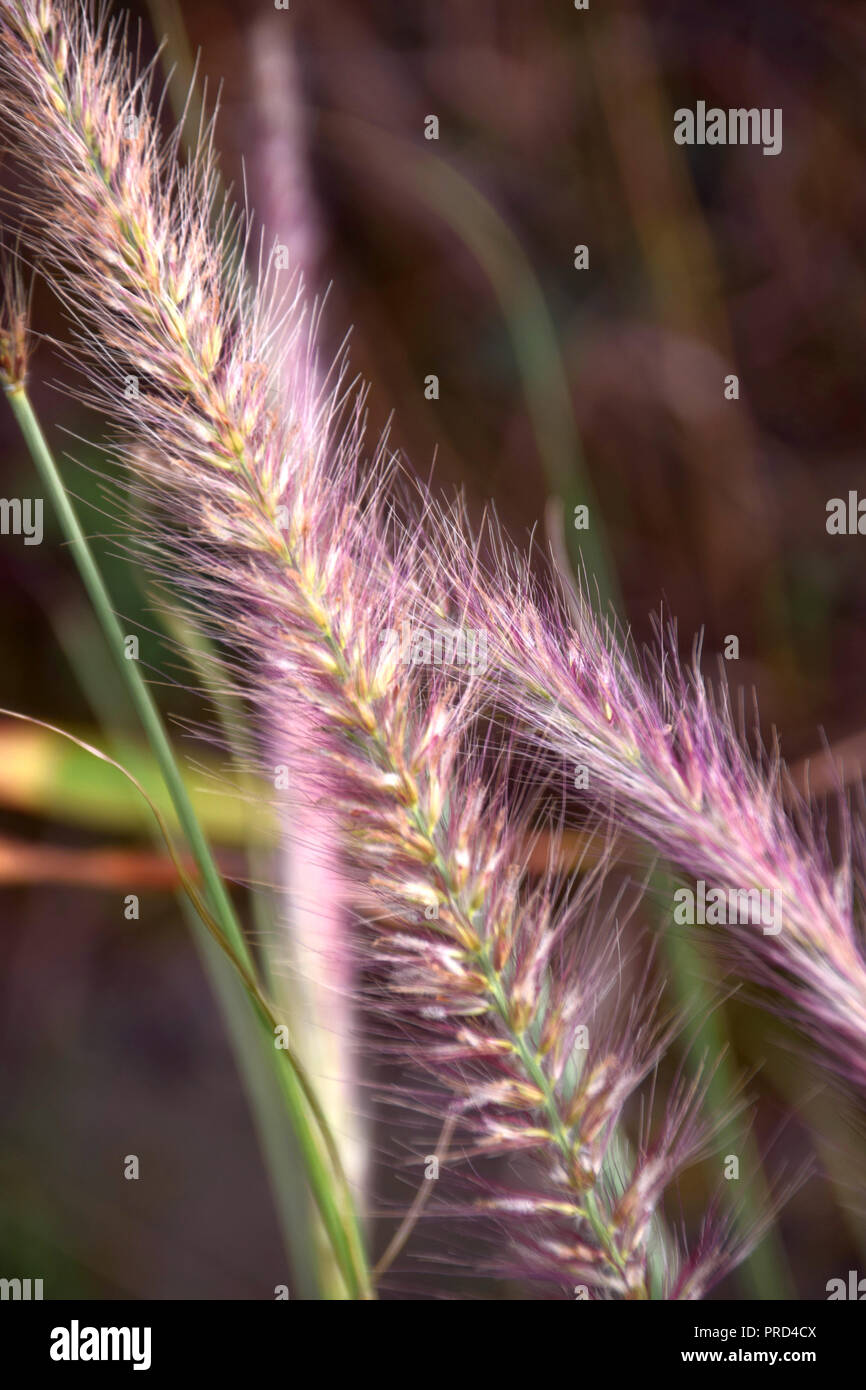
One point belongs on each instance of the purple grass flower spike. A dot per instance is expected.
(288, 546)
(663, 757)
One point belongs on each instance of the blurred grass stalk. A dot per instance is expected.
(315, 981)
(293, 989)
(333, 1199)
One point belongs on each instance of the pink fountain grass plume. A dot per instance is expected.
(663, 754)
(521, 1007)
(257, 505)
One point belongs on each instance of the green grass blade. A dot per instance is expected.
(336, 1207)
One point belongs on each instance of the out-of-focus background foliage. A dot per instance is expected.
(556, 386)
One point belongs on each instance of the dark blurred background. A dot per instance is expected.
(456, 258)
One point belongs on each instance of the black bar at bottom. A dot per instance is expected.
(157, 1340)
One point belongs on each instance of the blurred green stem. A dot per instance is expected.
(78, 635)
(541, 370)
